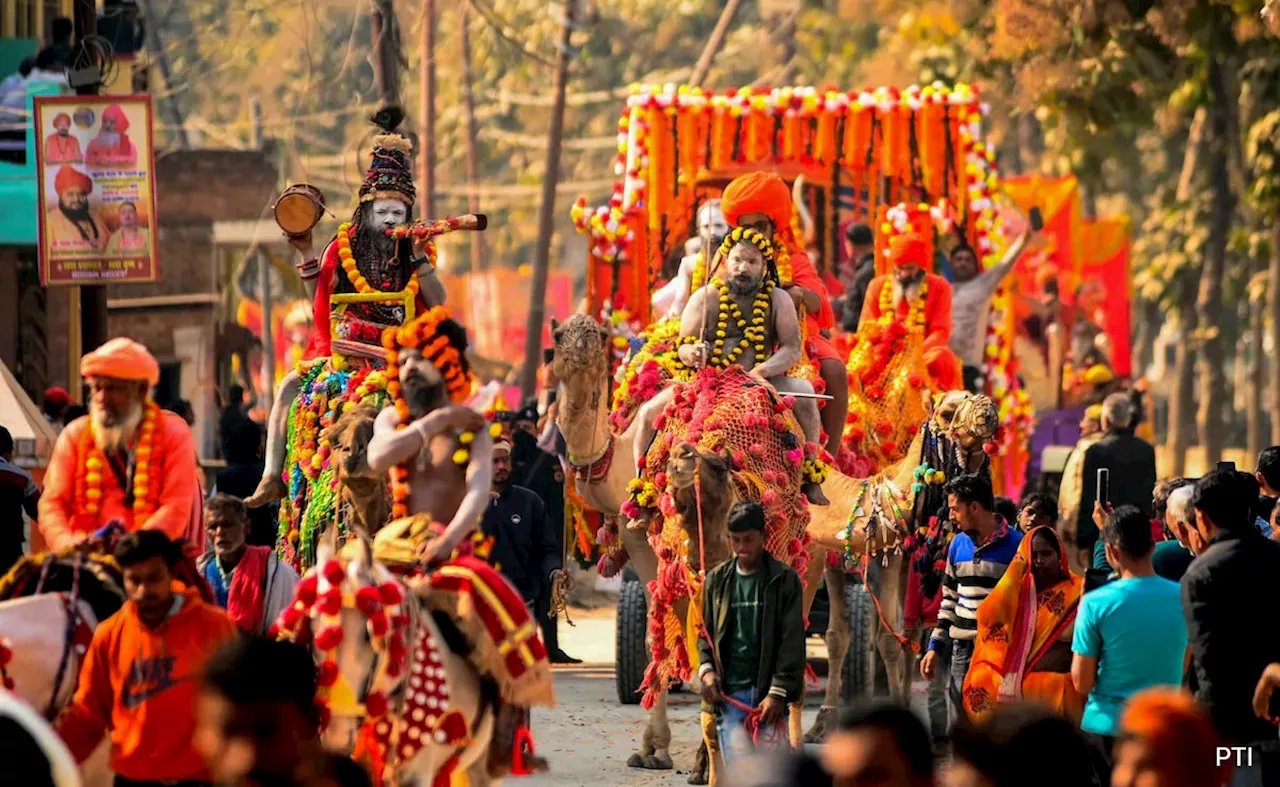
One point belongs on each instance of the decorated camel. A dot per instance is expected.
(407, 682)
(49, 606)
(582, 368)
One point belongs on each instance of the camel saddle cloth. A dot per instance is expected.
(490, 613)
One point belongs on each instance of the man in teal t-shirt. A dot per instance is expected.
(1130, 634)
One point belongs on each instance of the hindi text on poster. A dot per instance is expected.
(95, 162)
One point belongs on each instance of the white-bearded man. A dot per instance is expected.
(127, 463)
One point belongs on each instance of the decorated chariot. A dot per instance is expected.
(911, 163)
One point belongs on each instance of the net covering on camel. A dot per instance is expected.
(729, 413)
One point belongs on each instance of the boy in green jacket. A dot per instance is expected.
(753, 609)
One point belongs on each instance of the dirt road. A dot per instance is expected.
(588, 738)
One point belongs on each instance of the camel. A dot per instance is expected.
(961, 423)
(365, 497)
(45, 667)
(581, 365)
(362, 670)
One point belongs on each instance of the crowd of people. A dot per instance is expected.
(1123, 653)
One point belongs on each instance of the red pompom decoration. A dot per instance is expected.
(327, 673)
(390, 594)
(329, 638)
(306, 590)
(289, 617)
(334, 572)
(395, 647)
(330, 602)
(378, 624)
(273, 631)
(376, 704)
(6, 653)
(368, 600)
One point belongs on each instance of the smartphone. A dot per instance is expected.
(1104, 486)
(1231, 466)
(1036, 218)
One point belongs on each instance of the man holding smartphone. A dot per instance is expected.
(1130, 463)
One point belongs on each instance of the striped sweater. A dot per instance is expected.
(972, 571)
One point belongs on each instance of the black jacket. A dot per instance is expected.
(540, 473)
(523, 540)
(1132, 465)
(1227, 596)
(782, 658)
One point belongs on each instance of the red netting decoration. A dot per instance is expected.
(719, 411)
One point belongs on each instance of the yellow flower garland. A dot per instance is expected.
(144, 501)
(354, 275)
(753, 333)
(915, 317)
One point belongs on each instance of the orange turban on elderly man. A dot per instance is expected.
(122, 359)
(69, 176)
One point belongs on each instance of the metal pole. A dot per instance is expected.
(386, 64)
(546, 215)
(268, 346)
(93, 298)
(473, 160)
(427, 112)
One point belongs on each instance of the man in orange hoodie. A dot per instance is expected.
(140, 676)
(127, 463)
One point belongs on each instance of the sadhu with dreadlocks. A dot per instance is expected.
(743, 318)
(438, 450)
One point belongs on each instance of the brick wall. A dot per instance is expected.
(194, 189)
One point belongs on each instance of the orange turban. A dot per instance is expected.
(758, 192)
(114, 112)
(1181, 741)
(122, 359)
(68, 177)
(910, 249)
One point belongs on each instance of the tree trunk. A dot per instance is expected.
(1030, 142)
(1256, 379)
(473, 144)
(1273, 310)
(714, 43)
(1209, 299)
(1181, 419)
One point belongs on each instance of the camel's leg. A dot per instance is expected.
(271, 488)
(837, 638)
(711, 740)
(892, 595)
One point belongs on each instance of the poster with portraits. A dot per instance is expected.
(95, 160)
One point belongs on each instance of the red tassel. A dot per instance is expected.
(368, 599)
(327, 675)
(334, 572)
(523, 749)
(306, 590)
(389, 593)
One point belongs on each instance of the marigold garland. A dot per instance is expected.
(89, 478)
(753, 333)
(423, 334)
(357, 278)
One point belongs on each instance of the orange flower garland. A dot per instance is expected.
(89, 479)
(357, 278)
(916, 316)
(423, 335)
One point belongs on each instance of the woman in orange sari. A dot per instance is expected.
(1023, 649)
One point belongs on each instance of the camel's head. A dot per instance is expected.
(714, 475)
(353, 614)
(969, 420)
(581, 346)
(349, 449)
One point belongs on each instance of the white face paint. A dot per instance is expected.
(388, 213)
(711, 225)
